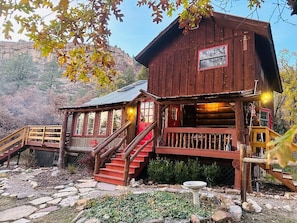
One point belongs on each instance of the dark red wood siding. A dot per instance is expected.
(174, 71)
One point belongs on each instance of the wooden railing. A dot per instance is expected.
(260, 136)
(47, 136)
(42, 136)
(200, 138)
(131, 147)
(102, 151)
(16, 138)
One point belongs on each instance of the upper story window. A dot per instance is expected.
(91, 122)
(116, 120)
(103, 123)
(79, 124)
(213, 57)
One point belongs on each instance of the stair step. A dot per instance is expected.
(109, 179)
(277, 170)
(121, 167)
(287, 176)
(116, 173)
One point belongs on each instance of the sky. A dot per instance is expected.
(138, 28)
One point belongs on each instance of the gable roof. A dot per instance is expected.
(263, 41)
(121, 96)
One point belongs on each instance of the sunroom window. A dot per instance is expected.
(91, 122)
(103, 123)
(116, 121)
(79, 124)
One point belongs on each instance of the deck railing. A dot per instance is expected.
(200, 138)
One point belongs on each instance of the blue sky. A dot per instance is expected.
(138, 30)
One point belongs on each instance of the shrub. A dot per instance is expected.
(166, 171)
(181, 173)
(211, 173)
(195, 171)
(161, 170)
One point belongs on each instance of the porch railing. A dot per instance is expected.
(102, 151)
(200, 138)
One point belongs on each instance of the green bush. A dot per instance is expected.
(177, 172)
(161, 170)
(195, 171)
(181, 173)
(211, 173)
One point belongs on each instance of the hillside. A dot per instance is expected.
(32, 87)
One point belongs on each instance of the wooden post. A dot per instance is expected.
(249, 187)
(239, 122)
(61, 160)
(97, 163)
(126, 170)
(243, 172)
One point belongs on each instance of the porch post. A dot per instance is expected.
(239, 124)
(61, 161)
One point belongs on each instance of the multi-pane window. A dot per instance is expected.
(147, 111)
(103, 123)
(116, 120)
(91, 122)
(79, 124)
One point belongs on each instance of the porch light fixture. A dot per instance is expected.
(131, 113)
(266, 97)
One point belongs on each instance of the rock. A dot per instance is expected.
(288, 208)
(54, 201)
(221, 216)
(59, 187)
(69, 201)
(64, 194)
(34, 184)
(16, 213)
(251, 206)
(55, 173)
(92, 220)
(194, 219)
(41, 200)
(232, 191)
(236, 212)
(77, 216)
(38, 215)
(269, 206)
(22, 220)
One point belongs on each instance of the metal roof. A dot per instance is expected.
(120, 96)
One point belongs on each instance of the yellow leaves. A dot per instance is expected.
(63, 4)
(283, 148)
(7, 29)
(25, 2)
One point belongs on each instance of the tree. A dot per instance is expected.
(52, 25)
(286, 111)
(17, 71)
(142, 74)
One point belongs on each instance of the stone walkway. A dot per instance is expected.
(36, 202)
(42, 202)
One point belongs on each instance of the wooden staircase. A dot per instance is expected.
(113, 171)
(258, 141)
(284, 177)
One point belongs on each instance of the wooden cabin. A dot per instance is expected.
(202, 95)
(203, 98)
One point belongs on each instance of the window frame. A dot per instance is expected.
(114, 111)
(88, 122)
(100, 123)
(211, 54)
(77, 122)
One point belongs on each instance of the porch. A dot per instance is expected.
(218, 143)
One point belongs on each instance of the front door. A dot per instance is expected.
(174, 116)
(145, 117)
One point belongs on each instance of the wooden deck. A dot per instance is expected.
(206, 142)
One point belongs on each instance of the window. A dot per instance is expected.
(213, 57)
(147, 112)
(103, 123)
(116, 120)
(91, 122)
(79, 123)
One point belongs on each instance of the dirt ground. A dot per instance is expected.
(283, 210)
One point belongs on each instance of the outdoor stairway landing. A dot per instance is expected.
(113, 171)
